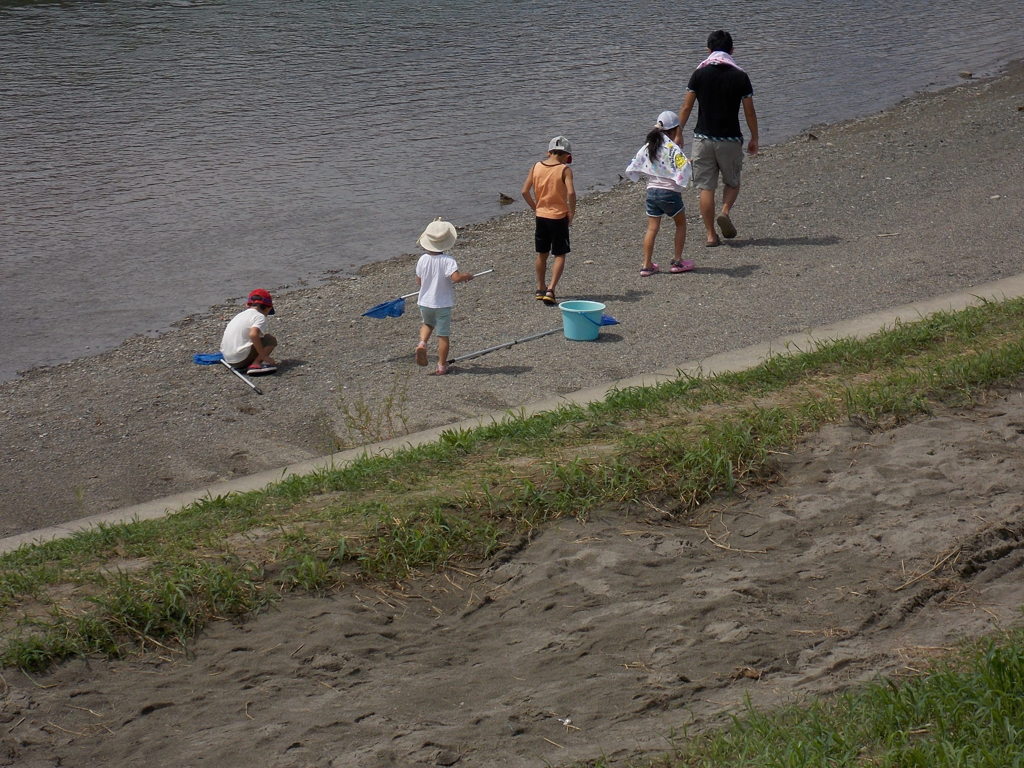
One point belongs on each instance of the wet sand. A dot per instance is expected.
(914, 202)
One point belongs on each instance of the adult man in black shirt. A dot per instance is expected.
(719, 87)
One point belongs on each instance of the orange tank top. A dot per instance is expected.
(549, 185)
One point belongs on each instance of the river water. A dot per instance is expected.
(161, 156)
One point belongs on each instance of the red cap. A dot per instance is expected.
(263, 298)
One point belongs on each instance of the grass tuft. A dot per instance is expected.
(966, 711)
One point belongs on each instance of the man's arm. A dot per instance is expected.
(685, 110)
(751, 116)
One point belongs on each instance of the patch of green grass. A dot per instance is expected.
(425, 539)
(165, 604)
(426, 507)
(966, 711)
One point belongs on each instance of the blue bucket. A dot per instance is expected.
(581, 320)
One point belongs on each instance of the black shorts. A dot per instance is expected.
(552, 236)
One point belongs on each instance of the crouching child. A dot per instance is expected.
(246, 345)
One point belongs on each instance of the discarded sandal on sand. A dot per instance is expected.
(421, 354)
(651, 270)
(725, 224)
(683, 265)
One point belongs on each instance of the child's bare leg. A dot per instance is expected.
(541, 268)
(556, 271)
(269, 344)
(680, 241)
(442, 351)
(653, 225)
(421, 348)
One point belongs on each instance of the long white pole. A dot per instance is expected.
(240, 375)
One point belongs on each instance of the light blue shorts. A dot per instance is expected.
(439, 319)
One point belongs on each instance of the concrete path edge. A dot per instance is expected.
(736, 360)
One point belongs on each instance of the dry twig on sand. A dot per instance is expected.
(955, 552)
(65, 730)
(85, 709)
(38, 685)
(727, 548)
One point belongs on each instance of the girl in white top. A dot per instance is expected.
(662, 161)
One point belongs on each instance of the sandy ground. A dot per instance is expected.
(872, 552)
(908, 204)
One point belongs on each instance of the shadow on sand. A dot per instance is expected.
(744, 270)
(777, 241)
(629, 297)
(469, 368)
(283, 366)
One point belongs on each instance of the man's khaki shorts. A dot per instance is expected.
(711, 157)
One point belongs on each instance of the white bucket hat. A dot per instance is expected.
(439, 236)
(667, 120)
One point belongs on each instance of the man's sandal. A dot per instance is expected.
(725, 224)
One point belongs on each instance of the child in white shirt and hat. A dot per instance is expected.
(436, 274)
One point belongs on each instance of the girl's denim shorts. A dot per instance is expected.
(663, 202)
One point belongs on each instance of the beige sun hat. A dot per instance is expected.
(439, 236)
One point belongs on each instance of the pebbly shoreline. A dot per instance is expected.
(919, 200)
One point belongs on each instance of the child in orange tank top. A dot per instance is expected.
(549, 191)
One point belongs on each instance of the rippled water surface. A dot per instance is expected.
(159, 157)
